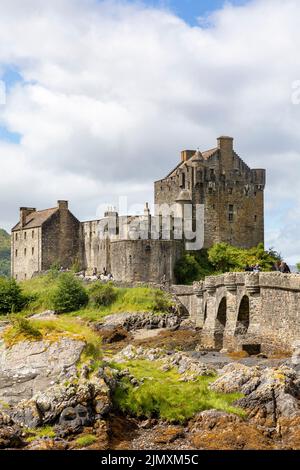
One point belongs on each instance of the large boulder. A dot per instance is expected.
(217, 430)
(270, 393)
(10, 433)
(70, 405)
(33, 366)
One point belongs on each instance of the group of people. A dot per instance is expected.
(104, 276)
(253, 269)
(279, 266)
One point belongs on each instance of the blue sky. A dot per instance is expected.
(189, 10)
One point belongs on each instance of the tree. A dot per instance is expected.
(69, 295)
(11, 297)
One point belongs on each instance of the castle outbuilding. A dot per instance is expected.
(138, 250)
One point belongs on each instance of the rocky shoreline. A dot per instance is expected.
(44, 384)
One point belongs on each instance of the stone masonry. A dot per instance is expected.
(255, 312)
(231, 193)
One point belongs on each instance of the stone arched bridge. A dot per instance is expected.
(256, 312)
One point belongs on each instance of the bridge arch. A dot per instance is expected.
(243, 319)
(220, 324)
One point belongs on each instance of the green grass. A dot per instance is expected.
(86, 440)
(40, 289)
(163, 396)
(138, 299)
(39, 433)
(53, 330)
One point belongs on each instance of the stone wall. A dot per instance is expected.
(144, 260)
(186, 295)
(26, 253)
(95, 253)
(248, 311)
(61, 239)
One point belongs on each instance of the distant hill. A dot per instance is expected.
(4, 253)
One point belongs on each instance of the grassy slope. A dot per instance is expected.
(4, 253)
(139, 299)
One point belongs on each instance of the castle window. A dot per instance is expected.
(229, 190)
(16, 254)
(25, 235)
(230, 213)
(32, 250)
(212, 173)
(32, 234)
(255, 218)
(182, 180)
(25, 251)
(16, 237)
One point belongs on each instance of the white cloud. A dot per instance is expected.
(113, 91)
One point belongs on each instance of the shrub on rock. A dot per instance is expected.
(69, 295)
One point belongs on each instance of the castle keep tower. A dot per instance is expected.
(232, 193)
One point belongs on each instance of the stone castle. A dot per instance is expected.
(231, 194)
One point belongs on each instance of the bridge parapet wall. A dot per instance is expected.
(251, 311)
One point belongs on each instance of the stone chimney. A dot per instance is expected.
(187, 154)
(225, 145)
(63, 205)
(24, 212)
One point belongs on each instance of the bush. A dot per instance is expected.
(161, 302)
(102, 295)
(221, 258)
(69, 294)
(298, 267)
(11, 297)
(225, 257)
(193, 267)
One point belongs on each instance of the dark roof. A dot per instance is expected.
(206, 156)
(36, 219)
